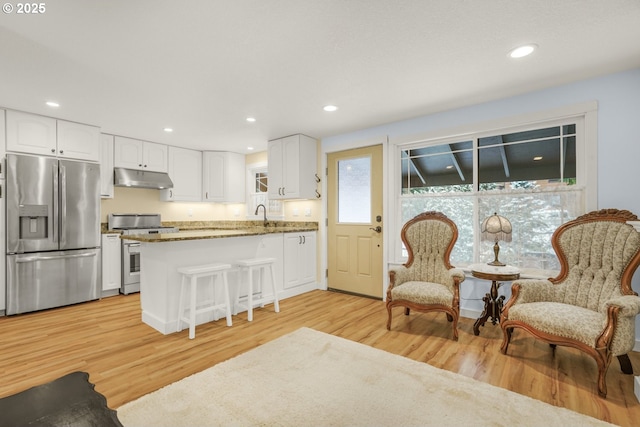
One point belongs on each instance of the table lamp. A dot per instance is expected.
(496, 228)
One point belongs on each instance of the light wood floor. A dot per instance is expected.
(127, 359)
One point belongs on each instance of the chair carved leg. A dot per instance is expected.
(625, 364)
(603, 365)
(506, 339)
(389, 319)
(455, 326)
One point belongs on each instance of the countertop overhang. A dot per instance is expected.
(219, 232)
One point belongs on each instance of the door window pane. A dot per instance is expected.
(354, 190)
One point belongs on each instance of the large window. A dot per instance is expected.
(529, 174)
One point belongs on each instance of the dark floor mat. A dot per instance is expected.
(68, 401)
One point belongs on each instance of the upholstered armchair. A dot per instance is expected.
(590, 306)
(427, 281)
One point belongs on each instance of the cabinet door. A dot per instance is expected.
(30, 133)
(127, 153)
(235, 189)
(106, 166)
(185, 170)
(111, 262)
(213, 176)
(155, 157)
(78, 141)
(308, 258)
(290, 166)
(274, 160)
(299, 259)
(292, 244)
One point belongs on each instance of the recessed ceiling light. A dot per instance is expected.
(330, 108)
(450, 167)
(53, 104)
(168, 130)
(250, 148)
(522, 51)
(251, 119)
(536, 158)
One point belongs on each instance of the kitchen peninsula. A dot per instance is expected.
(292, 244)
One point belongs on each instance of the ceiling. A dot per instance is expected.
(202, 67)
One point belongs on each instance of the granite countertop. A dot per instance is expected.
(198, 230)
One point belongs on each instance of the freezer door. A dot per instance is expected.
(79, 205)
(32, 203)
(51, 279)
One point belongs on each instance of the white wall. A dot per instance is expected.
(618, 139)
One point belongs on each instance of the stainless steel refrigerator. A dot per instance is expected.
(53, 232)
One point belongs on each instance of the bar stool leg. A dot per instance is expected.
(192, 308)
(181, 303)
(276, 304)
(250, 295)
(225, 283)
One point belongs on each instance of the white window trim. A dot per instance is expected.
(587, 166)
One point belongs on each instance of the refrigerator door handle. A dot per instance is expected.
(52, 257)
(54, 223)
(63, 206)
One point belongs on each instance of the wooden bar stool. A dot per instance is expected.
(217, 274)
(259, 265)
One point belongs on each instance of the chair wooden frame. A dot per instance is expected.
(601, 351)
(452, 311)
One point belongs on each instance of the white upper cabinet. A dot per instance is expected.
(223, 177)
(141, 155)
(78, 141)
(292, 167)
(30, 133)
(185, 170)
(34, 134)
(106, 166)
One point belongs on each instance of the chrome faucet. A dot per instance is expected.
(265, 213)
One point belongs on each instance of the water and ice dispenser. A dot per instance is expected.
(33, 221)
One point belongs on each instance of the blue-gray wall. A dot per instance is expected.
(618, 97)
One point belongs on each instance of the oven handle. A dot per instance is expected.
(47, 258)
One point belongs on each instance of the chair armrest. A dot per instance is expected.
(629, 305)
(398, 276)
(531, 290)
(457, 273)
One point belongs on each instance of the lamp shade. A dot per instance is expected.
(496, 227)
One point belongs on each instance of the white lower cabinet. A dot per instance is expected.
(111, 264)
(299, 259)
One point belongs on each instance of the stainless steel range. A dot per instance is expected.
(131, 224)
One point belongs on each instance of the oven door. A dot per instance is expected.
(130, 266)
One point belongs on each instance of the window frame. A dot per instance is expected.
(252, 170)
(583, 115)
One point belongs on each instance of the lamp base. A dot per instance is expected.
(495, 262)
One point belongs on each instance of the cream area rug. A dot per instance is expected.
(309, 378)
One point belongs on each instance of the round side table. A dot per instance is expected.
(492, 303)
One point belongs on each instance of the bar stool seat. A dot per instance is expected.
(248, 267)
(217, 273)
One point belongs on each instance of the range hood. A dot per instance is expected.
(141, 179)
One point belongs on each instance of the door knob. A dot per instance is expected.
(378, 229)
